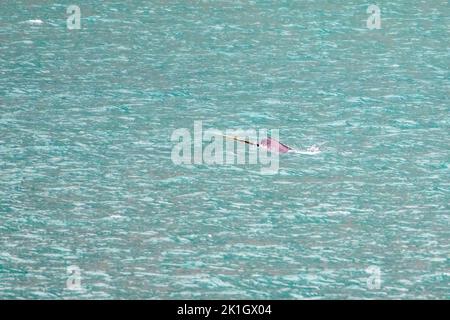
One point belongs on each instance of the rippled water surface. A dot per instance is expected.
(86, 177)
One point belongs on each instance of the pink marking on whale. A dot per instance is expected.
(274, 145)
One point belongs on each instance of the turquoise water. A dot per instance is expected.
(86, 176)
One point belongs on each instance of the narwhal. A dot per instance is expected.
(268, 143)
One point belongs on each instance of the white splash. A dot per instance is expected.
(34, 21)
(312, 150)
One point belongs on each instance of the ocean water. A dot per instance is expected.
(86, 177)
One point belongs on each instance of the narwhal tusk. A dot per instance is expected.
(269, 143)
